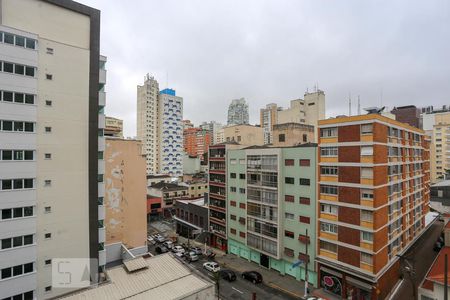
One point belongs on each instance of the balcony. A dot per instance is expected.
(217, 158)
(102, 76)
(217, 221)
(216, 171)
(101, 98)
(101, 235)
(217, 183)
(217, 208)
(217, 195)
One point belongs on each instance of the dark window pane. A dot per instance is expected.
(7, 125)
(6, 273)
(29, 71)
(17, 270)
(18, 184)
(29, 99)
(29, 155)
(6, 184)
(6, 214)
(7, 96)
(18, 212)
(6, 243)
(28, 183)
(18, 155)
(29, 127)
(28, 239)
(8, 67)
(28, 211)
(18, 97)
(28, 295)
(7, 155)
(31, 43)
(20, 41)
(8, 38)
(17, 297)
(17, 241)
(19, 69)
(27, 268)
(18, 126)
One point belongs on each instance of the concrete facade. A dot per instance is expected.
(113, 127)
(271, 208)
(407, 114)
(196, 141)
(244, 134)
(238, 112)
(291, 134)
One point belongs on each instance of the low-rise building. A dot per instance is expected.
(191, 217)
(244, 134)
(196, 188)
(271, 208)
(191, 164)
(291, 134)
(125, 198)
(408, 114)
(113, 127)
(168, 192)
(156, 178)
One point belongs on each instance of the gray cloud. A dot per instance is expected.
(271, 51)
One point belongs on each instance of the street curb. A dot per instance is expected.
(284, 290)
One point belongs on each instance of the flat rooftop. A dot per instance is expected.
(164, 278)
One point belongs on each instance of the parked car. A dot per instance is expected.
(178, 249)
(168, 244)
(211, 266)
(437, 246)
(161, 249)
(160, 238)
(252, 276)
(179, 255)
(228, 275)
(197, 250)
(151, 240)
(191, 256)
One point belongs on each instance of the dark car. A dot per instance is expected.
(161, 249)
(437, 246)
(197, 250)
(252, 276)
(228, 275)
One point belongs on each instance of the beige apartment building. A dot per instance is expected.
(437, 127)
(244, 134)
(113, 127)
(308, 110)
(125, 198)
(292, 134)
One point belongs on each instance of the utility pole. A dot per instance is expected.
(306, 264)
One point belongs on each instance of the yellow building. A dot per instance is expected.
(244, 134)
(113, 127)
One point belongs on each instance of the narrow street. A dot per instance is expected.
(421, 255)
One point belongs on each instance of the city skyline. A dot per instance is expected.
(399, 60)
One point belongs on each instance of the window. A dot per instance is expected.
(366, 216)
(289, 198)
(233, 203)
(16, 184)
(305, 163)
(49, 50)
(367, 173)
(288, 162)
(233, 161)
(328, 228)
(233, 189)
(48, 262)
(329, 209)
(30, 44)
(48, 156)
(328, 189)
(367, 194)
(241, 176)
(328, 151)
(366, 258)
(8, 96)
(233, 217)
(48, 235)
(48, 288)
(366, 236)
(366, 129)
(242, 205)
(329, 171)
(48, 129)
(232, 175)
(289, 180)
(289, 234)
(242, 234)
(48, 103)
(289, 252)
(49, 76)
(48, 209)
(367, 150)
(281, 138)
(328, 132)
(327, 246)
(303, 219)
(305, 201)
(232, 231)
(305, 138)
(8, 67)
(47, 182)
(289, 216)
(28, 239)
(305, 181)
(8, 38)
(29, 71)
(99, 177)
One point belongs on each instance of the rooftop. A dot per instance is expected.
(442, 183)
(198, 201)
(167, 186)
(157, 176)
(164, 277)
(436, 272)
(269, 146)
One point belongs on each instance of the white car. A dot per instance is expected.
(178, 249)
(211, 266)
(168, 244)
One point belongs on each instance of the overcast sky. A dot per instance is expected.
(211, 52)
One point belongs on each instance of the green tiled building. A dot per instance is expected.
(271, 207)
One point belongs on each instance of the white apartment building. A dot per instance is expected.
(51, 127)
(214, 128)
(171, 133)
(160, 128)
(238, 112)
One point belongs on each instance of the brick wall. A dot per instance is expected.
(349, 133)
(349, 174)
(349, 215)
(349, 195)
(379, 133)
(349, 154)
(349, 256)
(349, 235)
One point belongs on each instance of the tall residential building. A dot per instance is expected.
(187, 124)
(213, 127)
(238, 112)
(196, 141)
(373, 198)
(271, 208)
(437, 127)
(160, 128)
(409, 114)
(113, 127)
(217, 193)
(148, 122)
(303, 111)
(51, 173)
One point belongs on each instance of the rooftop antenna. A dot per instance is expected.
(349, 104)
(381, 97)
(359, 105)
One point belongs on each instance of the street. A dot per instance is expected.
(421, 255)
